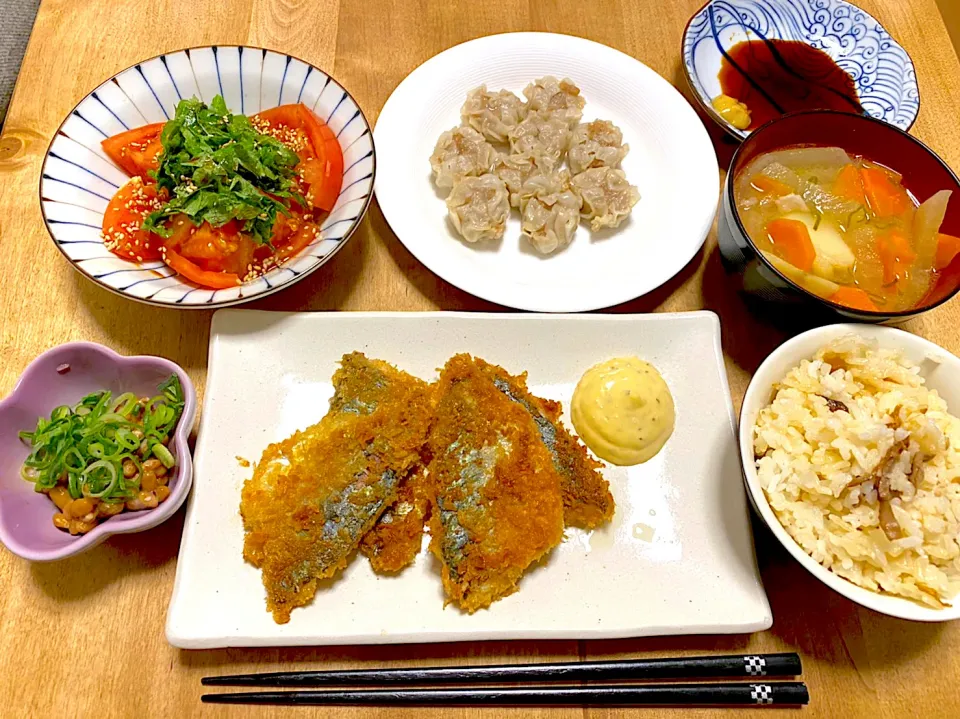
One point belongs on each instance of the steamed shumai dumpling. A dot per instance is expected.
(549, 211)
(559, 98)
(478, 207)
(543, 136)
(492, 114)
(607, 196)
(596, 144)
(461, 152)
(515, 170)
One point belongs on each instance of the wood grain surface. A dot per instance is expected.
(84, 637)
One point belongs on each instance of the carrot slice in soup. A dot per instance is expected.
(896, 254)
(854, 298)
(848, 184)
(948, 247)
(792, 240)
(886, 197)
(769, 185)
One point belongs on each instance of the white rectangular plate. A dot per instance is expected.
(677, 559)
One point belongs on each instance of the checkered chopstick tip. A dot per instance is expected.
(756, 666)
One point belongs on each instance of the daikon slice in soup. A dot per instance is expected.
(843, 227)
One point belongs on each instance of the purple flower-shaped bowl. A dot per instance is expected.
(63, 376)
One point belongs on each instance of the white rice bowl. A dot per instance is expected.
(828, 472)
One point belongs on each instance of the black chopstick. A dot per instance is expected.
(729, 667)
(687, 695)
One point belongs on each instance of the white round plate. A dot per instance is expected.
(671, 161)
(78, 179)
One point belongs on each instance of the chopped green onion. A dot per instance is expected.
(84, 446)
(99, 479)
(125, 402)
(73, 485)
(59, 413)
(164, 455)
(126, 438)
(73, 454)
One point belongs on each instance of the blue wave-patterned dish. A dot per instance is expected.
(881, 69)
(78, 179)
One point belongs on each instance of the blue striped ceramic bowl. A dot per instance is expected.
(78, 179)
(881, 69)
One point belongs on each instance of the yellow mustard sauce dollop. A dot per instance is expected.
(733, 111)
(623, 410)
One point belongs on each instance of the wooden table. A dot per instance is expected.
(84, 637)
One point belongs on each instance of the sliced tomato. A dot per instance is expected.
(292, 234)
(212, 249)
(181, 228)
(220, 249)
(317, 130)
(137, 150)
(221, 256)
(122, 219)
(325, 175)
(279, 117)
(307, 233)
(196, 274)
(321, 158)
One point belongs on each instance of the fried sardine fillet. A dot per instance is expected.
(587, 502)
(497, 505)
(313, 496)
(396, 538)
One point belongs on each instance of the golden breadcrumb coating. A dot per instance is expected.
(313, 496)
(497, 503)
(587, 502)
(396, 538)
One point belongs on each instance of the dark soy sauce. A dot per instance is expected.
(774, 77)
